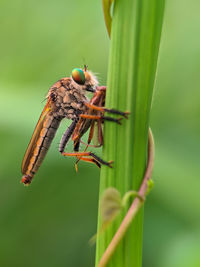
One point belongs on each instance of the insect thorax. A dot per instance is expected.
(67, 98)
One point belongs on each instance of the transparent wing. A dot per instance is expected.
(34, 138)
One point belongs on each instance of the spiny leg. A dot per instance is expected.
(107, 163)
(65, 138)
(100, 133)
(96, 117)
(87, 160)
(89, 145)
(64, 141)
(78, 154)
(103, 109)
(76, 146)
(91, 133)
(88, 154)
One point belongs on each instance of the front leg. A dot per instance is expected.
(99, 117)
(112, 111)
(98, 103)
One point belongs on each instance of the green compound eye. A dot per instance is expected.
(78, 76)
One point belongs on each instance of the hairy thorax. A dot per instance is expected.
(67, 98)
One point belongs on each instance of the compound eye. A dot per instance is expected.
(78, 76)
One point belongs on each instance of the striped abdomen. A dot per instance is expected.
(39, 145)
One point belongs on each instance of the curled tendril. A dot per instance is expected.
(135, 206)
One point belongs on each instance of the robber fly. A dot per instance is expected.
(67, 99)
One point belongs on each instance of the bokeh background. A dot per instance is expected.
(50, 222)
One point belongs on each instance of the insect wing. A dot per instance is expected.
(34, 138)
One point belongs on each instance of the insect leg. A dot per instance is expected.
(66, 136)
(88, 154)
(91, 133)
(96, 117)
(64, 141)
(76, 146)
(100, 133)
(89, 160)
(112, 111)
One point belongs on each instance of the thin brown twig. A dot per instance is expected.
(134, 208)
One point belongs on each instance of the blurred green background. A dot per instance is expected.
(50, 222)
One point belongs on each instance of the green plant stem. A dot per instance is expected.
(135, 37)
(134, 208)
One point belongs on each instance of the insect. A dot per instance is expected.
(95, 117)
(67, 99)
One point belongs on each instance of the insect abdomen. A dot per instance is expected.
(40, 147)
